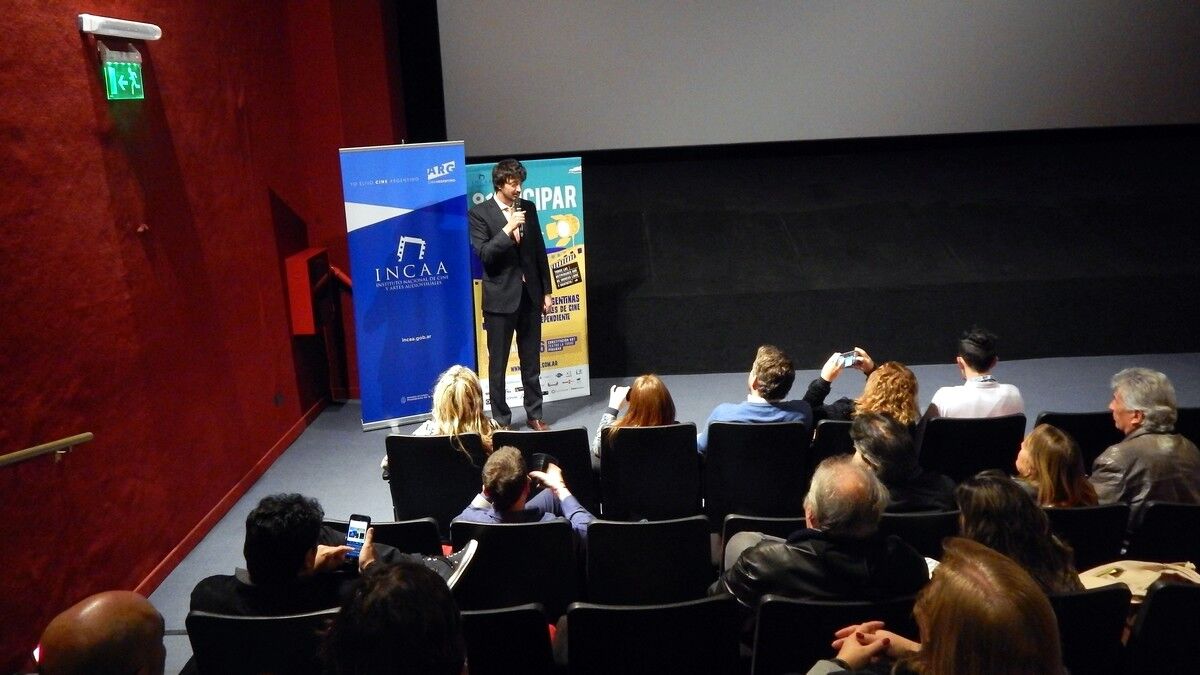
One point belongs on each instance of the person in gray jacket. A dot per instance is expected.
(1153, 462)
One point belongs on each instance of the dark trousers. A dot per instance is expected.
(526, 323)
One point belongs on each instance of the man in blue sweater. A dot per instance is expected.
(505, 495)
(769, 382)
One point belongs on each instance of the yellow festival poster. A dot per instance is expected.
(555, 186)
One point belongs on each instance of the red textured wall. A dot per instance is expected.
(141, 287)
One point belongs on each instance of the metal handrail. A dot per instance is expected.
(61, 446)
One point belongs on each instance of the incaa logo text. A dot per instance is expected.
(396, 272)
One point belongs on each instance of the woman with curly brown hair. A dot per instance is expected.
(891, 389)
(1050, 467)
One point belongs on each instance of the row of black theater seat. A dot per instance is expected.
(655, 562)
(655, 473)
(702, 636)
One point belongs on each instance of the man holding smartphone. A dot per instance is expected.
(290, 571)
(505, 494)
(507, 237)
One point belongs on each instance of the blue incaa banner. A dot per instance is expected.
(406, 221)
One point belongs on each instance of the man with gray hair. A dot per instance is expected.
(1153, 462)
(840, 555)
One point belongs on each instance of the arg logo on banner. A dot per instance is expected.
(441, 172)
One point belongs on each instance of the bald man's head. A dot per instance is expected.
(844, 499)
(110, 633)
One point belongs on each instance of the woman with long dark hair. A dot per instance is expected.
(997, 513)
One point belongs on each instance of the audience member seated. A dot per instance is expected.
(770, 380)
(457, 409)
(505, 495)
(838, 556)
(885, 446)
(1152, 463)
(401, 619)
(981, 614)
(997, 513)
(1051, 470)
(981, 395)
(288, 569)
(891, 389)
(110, 632)
(649, 402)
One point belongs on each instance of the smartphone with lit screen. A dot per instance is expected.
(356, 534)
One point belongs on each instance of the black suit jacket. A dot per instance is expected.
(504, 262)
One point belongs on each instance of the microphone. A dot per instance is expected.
(518, 207)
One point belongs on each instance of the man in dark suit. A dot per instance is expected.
(506, 235)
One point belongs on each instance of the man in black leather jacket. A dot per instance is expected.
(1153, 462)
(839, 556)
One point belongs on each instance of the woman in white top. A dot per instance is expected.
(981, 395)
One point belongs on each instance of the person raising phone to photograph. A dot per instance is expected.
(647, 403)
(891, 389)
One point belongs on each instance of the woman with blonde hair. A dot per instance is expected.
(457, 409)
(891, 389)
(980, 614)
(1050, 467)
(649, 405)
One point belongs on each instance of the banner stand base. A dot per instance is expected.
(394, 422)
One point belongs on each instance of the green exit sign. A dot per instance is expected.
(123, 80)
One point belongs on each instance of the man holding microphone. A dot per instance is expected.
(507, 237)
